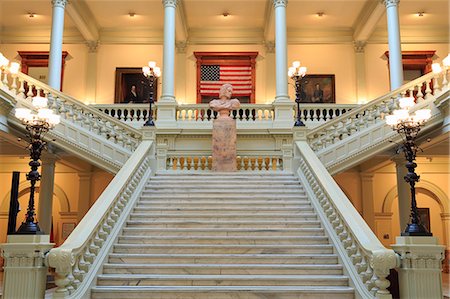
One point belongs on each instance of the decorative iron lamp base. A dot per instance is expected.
(29, 228)
(416, 230)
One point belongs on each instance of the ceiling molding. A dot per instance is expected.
(320, 36)
(269, 21)
(367, 20)
(226, 36)
(83, 19)
(38, 35)
(414, 35)
(181, 26)
(132, 36)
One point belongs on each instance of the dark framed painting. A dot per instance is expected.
(319, 89)
(131, 86)
(424, 214)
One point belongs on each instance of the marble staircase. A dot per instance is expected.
(223, 236)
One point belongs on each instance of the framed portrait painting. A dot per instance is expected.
(319, 89)
(131, 86)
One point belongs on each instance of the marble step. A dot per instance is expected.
(220, 187)
(253, 205)
(220, 280)
(222, 217)
(223, 210)
(227, 231)
(201, 190)
(243, 240)
(224, 269)
(223, 292)
(240, 183)
(145, 258)
(237, 198)
(230, 223)
(223, 249)
(227, 175)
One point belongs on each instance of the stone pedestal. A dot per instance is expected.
(224, 144)
(419, 274)
(25, 272)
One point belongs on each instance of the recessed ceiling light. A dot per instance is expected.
(225, 14)
(131, 14)
(420, 13)
(31, 14)
(320, 14)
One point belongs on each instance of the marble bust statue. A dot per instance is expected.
(225, 103)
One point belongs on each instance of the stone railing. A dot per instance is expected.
(84, 131)
(311, 114)
(79, 259)
(367, 261)
(345, 141)
(269, 162)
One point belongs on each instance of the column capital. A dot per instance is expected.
(399, 160)
(277, 3)
(389, 3)
(270, 46)
(181, 47)
(92, 46)
(59, 3)
(170, 3)
(359, 46)
(366, 176)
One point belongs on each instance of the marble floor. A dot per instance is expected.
(445, 286)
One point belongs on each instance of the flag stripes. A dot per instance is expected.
(212, 77)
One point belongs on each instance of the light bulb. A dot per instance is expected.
(44, 113)
(145, 70)
(391, 120)
(406, 103)
(39, 102)
(401, 114)
(157, 71)
(22, 113)
(3, 60)
(54, 119)
(422, 115)
(296, 64)
(446, 61)
(436, 67)
(151, 64)
(14, 68)
(302, 71)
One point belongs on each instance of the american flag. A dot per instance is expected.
(212, 77)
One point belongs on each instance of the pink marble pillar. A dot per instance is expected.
(224, 144)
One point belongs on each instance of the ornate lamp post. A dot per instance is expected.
(151, 72)
(297, 73)
(408, 126)
(36, 124)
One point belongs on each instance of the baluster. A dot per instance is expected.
(209, 162)
(189, 115)
(245, 162)
(279, 165)
(189, 161)
(21, 88)
(195, 159)
(30, 91)
(419, 96)
(238, 162)
(5, 80)
(14, 84)
(38, 91)
(428, 90)
(436, 86)
(445, 81)
(271, 164)
(180, 162)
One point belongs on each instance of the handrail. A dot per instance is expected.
(367, 261)
(74, 110)
(78, 260)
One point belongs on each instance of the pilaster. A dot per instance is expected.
(420, 269)
(270, 70)
(84, 194)
(360, 63)
(25, 272)
(367, 199)
(403, 192)
(46, 192)
(180, 71)
(91, 71)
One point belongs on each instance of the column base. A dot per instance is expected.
(420, 270)
(166, 114)
(284, 117)
(25, 272)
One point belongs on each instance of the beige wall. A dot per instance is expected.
(433, 192)
(66, 193)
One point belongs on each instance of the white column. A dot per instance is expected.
(281, 50)
(403, 192)
(395, 50)
(56, 40)
(91, 72)
(367, 199)
(419, 274)
(360, 62)
(168, 70)
(46, 193)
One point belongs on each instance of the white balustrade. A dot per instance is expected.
(367, 261)
(80, 257)
(83, 128)
(198, 162)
